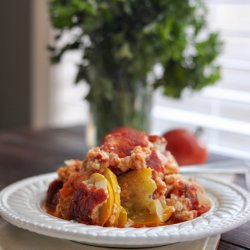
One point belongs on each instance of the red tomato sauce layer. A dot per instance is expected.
(123, 140)
(84, 202)
(53, 194)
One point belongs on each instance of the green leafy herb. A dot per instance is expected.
(122, 42)
(127, 38)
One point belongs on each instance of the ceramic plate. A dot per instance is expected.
(21, 205)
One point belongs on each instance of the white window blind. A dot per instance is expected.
(67, 103)
(223, 110)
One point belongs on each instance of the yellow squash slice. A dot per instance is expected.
(111, 177)
(123, 218)
(105, 211)
(137, 188)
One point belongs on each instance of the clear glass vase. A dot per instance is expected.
(126, 109)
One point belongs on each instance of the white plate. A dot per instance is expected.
(20, 204)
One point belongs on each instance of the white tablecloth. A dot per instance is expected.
(13, 238)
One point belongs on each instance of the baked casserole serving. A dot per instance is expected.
(130, 180)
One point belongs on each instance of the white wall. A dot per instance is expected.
(40, 65)
(56, 100)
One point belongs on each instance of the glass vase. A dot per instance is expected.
(126, 109)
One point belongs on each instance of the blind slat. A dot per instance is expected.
(199, 119)
(227, 94)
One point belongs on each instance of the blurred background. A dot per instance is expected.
(36, 94)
